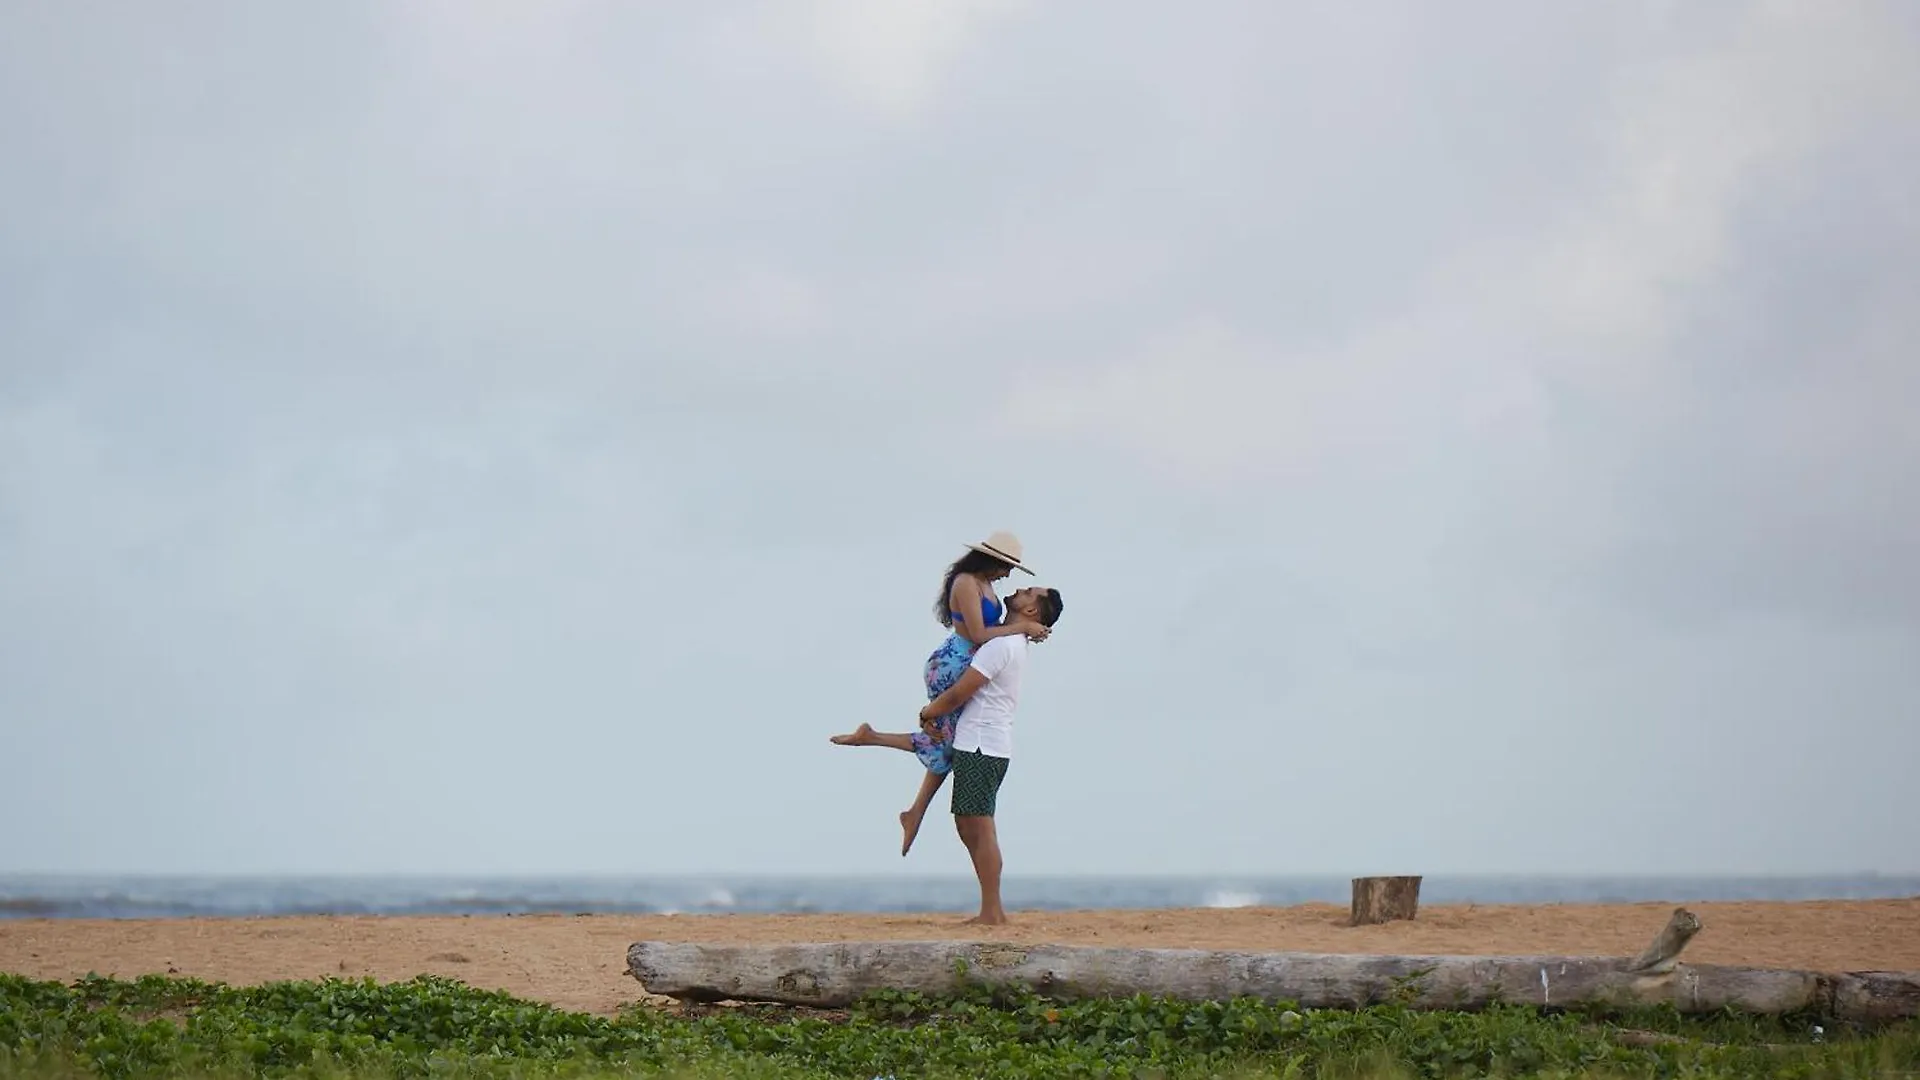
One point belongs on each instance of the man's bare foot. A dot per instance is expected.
(989, 920)
(909, 828)
(862, 736)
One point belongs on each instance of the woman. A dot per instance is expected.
(969, 608)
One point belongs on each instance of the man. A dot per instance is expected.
(987, 694)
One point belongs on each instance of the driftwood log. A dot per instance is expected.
(1384, 899)
(1664, 951)
(837, 974)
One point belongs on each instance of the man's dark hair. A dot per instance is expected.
(1051, 607)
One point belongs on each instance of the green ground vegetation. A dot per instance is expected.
(429, 1027)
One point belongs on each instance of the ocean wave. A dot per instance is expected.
(127, 897)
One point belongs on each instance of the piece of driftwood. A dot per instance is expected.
(1876, 995)
(837, 974)
(1664, 951)
(1635, 1037)
(1384, 899)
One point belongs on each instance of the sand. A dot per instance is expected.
(579, 962)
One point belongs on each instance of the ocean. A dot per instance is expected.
(25, 896)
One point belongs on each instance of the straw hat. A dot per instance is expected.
(1004, 546)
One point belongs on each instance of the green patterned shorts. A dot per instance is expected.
(976, 782)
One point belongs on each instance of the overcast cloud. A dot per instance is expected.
(454, 436)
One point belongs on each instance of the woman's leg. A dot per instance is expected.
(864, 735)
(930, 781)
(935, 748)
(912, 816)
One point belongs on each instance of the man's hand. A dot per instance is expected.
(928, 725)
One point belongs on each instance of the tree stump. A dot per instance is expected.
(1384, 899)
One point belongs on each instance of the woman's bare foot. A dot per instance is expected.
(909, 828)
(988, 920)
(862, 736)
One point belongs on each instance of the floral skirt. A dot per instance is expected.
(944, 668)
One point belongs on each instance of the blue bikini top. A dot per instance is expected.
(990, 611)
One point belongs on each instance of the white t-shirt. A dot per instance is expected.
(986, 721)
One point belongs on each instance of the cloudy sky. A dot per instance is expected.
(492, 437)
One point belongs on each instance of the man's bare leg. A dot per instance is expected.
(983, 843)
(912, 816)
(864, 735)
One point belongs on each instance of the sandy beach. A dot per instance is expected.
(579, 962)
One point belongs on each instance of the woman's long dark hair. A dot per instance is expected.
(973, 562)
